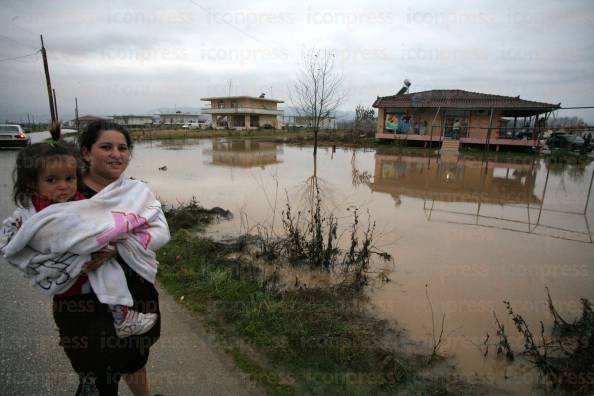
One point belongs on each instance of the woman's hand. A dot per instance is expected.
(99, 258)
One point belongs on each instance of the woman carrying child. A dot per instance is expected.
(121, 224)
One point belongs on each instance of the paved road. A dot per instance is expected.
(185, 361)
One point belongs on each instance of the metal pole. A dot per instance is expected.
(76, 114)
(489, 129)
(529, 192)
(48, 82)
(533, 125)
(482, 186)
(432, 124)
(544, 190)
(589, 191)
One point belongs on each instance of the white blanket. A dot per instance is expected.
(52, 246)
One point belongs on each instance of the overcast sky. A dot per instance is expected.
(139, 56)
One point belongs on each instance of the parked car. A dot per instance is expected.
(566, 141)
(12, 135)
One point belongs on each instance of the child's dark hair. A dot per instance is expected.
(30, 161)
(90, 135)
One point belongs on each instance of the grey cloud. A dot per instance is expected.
(141, 55)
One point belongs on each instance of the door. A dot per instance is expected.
(254, 121)
(456, 123)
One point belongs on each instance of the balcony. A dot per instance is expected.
(240, 110)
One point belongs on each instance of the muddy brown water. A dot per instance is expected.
(475, 232)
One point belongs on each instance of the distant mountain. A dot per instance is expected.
(341, 115)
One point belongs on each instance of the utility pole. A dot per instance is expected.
(76, 113)
(55, 104)
(48, 82)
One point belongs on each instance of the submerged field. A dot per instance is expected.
(476, 232)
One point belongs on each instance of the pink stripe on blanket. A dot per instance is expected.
(127, 223)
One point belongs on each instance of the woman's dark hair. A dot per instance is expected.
(30, 161)
(90, 135)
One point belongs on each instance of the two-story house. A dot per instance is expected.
(243, 112)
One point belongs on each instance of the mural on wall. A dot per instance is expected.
(398, 122)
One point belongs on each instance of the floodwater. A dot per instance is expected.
(476, 233)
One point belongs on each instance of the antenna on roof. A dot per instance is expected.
(405, 87)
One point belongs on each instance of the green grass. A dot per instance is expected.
(267, 134)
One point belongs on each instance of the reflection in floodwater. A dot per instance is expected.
(466, 189)
(358, 177)
(455, 180)
(172, 144)
(243, 153)
(313, 191)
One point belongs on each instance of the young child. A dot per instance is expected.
(47, 174)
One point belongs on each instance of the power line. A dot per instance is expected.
(2, 36)
(19, 57)
(243, 32)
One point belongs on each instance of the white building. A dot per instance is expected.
(243, 112)
(134, 120)
(307, 122)
(178, 118)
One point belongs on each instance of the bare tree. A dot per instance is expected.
(317, 93)
(566, 122)
(364, 121)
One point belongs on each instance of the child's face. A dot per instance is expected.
(56, 181)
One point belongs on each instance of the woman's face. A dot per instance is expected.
(109, 155)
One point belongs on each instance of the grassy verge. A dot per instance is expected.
(343, 138)
(163, 134)
(301, 341)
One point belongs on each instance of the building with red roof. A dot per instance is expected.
(454, 117)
